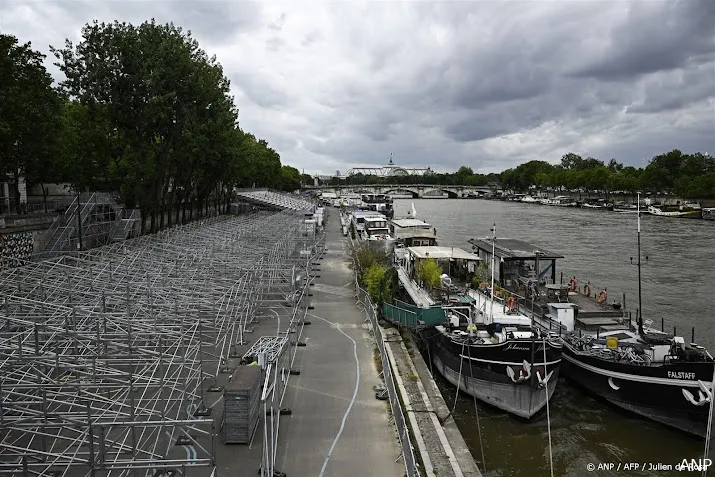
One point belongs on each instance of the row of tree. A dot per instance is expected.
(691, 176)
(464, 176)
(143, 111)
(687, 175)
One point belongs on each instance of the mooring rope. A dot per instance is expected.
(548, 414)
(710, 423)
(459, 377)
(429, 357)
(476, 410)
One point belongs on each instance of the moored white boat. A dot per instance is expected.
(687, 210)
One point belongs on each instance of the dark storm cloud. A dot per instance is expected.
(211, 21)
(333, 85)
(656, 37)
(677, 90)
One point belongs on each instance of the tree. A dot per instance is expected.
(306, 179)
(430, 273)
(481, 274)
(290, 179)
(163, 125)
(29, 112)
(571, 161)
(463, 175)
(375, 280)
(368, 254)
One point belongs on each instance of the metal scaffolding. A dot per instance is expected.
(105, 355)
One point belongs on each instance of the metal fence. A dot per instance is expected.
(408, 454)
(280, 351)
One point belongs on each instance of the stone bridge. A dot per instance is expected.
(417, 191)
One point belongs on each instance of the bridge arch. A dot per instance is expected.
(401, 190)
(450, 191)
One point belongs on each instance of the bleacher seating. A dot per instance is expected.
(277, 199)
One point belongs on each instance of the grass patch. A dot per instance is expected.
(377, 358)
(406, 338)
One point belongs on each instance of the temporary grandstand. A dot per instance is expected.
(275, 200)
(110, 358)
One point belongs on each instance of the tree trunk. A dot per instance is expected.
(180, 205)
(164, 191)
(143, 221)
(16, 175)
(44, 195)
(170, 205)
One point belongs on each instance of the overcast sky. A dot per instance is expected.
(479, 83)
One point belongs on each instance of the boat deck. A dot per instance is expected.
(587, 305)
(591, 315)
(420, 297)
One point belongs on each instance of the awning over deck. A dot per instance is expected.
(442, 253)
(512, 249)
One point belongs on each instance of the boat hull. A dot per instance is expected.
(683, 214)
(647, 391)
(484, 374)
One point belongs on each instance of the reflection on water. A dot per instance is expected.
(678, 288)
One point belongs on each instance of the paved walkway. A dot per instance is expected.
(337, 427)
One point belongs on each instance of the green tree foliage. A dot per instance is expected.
(429, 273)
(290, 179)
(691, 176)
(143, 111)
(29, 114)
(465, 176)
(481, 274)
(378, 282)
(375, 272)
(366, 255)
(688, 176)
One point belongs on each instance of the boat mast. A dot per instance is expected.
(640, 302)
(494, 238)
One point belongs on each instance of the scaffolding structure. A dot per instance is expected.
(106, 355)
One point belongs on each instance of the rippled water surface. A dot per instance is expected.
(678, 290)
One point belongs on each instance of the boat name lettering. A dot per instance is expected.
(521, 348)
(680, 375)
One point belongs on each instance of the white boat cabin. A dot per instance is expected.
(375, 228)
(413, 232)
(359, 216)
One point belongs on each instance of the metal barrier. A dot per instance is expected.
(278, 368)
(408, 454)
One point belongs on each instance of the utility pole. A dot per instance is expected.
(640, 300)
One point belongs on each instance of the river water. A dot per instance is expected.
(678, 282)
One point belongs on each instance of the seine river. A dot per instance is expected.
(678, 282)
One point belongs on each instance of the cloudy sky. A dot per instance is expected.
(485, 84)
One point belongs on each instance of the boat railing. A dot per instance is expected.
(523, 305)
